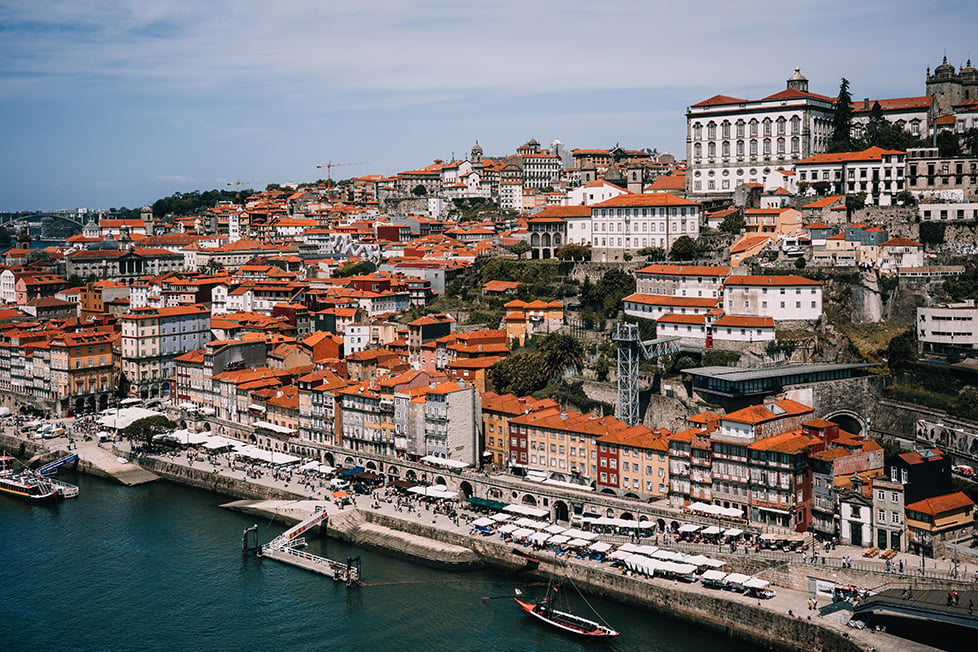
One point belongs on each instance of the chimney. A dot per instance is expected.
(865, 104)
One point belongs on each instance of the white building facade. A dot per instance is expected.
(731, 141)
(783, 298)
(627, 223)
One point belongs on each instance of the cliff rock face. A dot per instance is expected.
(867, 300)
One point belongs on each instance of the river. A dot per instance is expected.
(159, 567)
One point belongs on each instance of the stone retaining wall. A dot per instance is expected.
(734, 618)
(202, 479)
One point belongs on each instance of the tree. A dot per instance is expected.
(732, 224)
(931, 233)
(841, 140)
(875, 127)
(800, 262)
(355, 269)
(948, 144)
(902, 350)
(420, 190)
(574, 251)
(145, 429)
(855, 202)
(652, 253)
(684, 248)
(4, 237)
(558, 351)
(520, 248)
(519, 373)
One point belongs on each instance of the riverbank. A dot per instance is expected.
(435, 539)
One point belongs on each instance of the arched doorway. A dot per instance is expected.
(529, 499)
(440, 480)
(560, 511)
(349, 461)
(661, 524)
(329, 459)
(607, 490)
(103, 401)
(494, 493)
(465, 489)
(371, 466)
(411, 475)
(393, 471)
(626, 516)
(79, 405)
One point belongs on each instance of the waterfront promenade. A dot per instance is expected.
(790, 602)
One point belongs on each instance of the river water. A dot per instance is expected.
(159, 567)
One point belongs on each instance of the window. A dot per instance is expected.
(881, 516)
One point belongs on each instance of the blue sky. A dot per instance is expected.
(110, 103)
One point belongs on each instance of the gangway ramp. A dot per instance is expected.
(51, 467)
(285, 548)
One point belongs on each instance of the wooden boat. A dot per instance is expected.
(543, 609)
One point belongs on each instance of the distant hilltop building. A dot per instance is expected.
(732, 141)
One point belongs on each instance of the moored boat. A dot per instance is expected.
(543, 609)
(26, 485)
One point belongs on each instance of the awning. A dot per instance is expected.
(483, 522)
(351, 472)
(402, 484)
(713, 575)
(733, 532)
(488, 503)
(712, 530)
(756, 583)
(600, 546)
(689, 528)
(444, 461)
(526, 510)
(499, 517)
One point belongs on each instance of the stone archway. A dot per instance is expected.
(329, 459)
(349, 461)
(411, 475)
(626, 516)
(608, 490)
(370, 465)
(439, 480)
(849, 421)
(393, 471)
(661, 524)
(494, 493)
(103, 401)
(529, 499)
(465, 489)
(79, 405)
(561, 511)
(674, 526)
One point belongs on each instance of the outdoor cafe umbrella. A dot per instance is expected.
(340, 494)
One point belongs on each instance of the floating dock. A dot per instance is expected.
(285, 548)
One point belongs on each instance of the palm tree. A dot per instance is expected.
(558, 351)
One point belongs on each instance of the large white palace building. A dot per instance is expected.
(730, 141)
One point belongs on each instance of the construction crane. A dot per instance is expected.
(237, 187)
(330, 165)
(631, 351)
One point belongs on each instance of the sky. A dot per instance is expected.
(112, 103)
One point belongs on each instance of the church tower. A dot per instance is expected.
(476, 157)
(945, 87)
